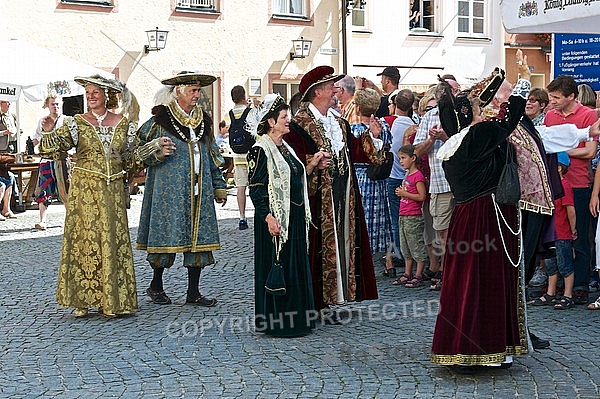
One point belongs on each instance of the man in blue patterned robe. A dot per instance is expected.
(178, 213)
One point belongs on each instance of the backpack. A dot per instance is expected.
(240, 140)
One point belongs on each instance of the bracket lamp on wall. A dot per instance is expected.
(301, 48)
(157, 39)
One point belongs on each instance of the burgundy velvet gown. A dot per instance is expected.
(482, 308)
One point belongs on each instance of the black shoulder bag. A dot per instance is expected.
(508, 191)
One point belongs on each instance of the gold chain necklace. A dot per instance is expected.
(183, 137)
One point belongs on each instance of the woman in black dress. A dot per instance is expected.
(282, 216)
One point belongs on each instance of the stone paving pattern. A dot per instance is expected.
(184, 351)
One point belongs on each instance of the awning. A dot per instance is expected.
(550, 16)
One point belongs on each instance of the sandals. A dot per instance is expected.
(564, 303)
(80, 312)
(436, 286)
(403, 279)
(594, 305)
(2, 218)
(201, 300)
(415, 282)
(543, 300)
(106, 314)
(9, 215)
(433, 276)
(390, 272)
(158, 297)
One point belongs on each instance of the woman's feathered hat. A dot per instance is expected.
(258, 117)
(115, 91)
(487, 88)
(456, 113)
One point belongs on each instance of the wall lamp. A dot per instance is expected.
(301, 48)
(157, 39)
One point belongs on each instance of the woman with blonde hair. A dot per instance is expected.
(96, 264)
(373, 192)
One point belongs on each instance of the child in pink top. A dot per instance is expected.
(412, 193)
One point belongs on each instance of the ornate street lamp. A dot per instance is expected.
(301, 48)
(157, 39)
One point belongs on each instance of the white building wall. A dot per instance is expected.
(388, 41)
(244, 41)
(241, 42)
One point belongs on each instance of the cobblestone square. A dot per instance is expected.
(380, 350)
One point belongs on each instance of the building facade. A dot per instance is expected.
(250, 43)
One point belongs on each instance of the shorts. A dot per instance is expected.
(240, 175)
(411, 237)
(563, 261)
(6, 182)
(441, 206)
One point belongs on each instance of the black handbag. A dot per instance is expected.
(508, 191)
(275, 283)
(383, 170)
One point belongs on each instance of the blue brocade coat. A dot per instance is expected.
(173, 219)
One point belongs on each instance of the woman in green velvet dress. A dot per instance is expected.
(282, 215)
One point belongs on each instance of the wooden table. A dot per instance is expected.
(18, 169)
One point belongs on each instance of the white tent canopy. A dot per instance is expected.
(550, 16)
(33, 70)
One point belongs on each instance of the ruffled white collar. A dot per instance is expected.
(332, 128)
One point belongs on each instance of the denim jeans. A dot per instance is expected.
(563, 261)
(394, 205)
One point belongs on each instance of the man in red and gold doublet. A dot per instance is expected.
(340, 257)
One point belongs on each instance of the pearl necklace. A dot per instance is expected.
(100, 118)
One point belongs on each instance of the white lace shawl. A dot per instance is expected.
(279, 185)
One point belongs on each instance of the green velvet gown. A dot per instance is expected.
(292, 314)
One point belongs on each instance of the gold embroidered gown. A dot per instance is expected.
(96, 265)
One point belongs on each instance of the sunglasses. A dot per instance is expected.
(429, 108)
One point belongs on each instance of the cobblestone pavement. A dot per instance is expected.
(186, 351)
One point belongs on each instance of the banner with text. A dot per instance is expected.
(9, 92)
(579, 57)
(551, 16)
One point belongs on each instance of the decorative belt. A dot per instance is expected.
(108, 178)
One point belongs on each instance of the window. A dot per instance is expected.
(294, 8)
(358, 14)
(197, 4)
(422, 15)
(470, 17)
(207, 100)
(89, 2)
(286, 90)
(255, 87)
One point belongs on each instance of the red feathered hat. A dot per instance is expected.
(320, 74)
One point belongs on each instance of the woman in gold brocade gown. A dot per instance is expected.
(96, 265)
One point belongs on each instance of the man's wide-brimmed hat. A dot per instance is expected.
(100, 81)
(318, 75)
(189, 78)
